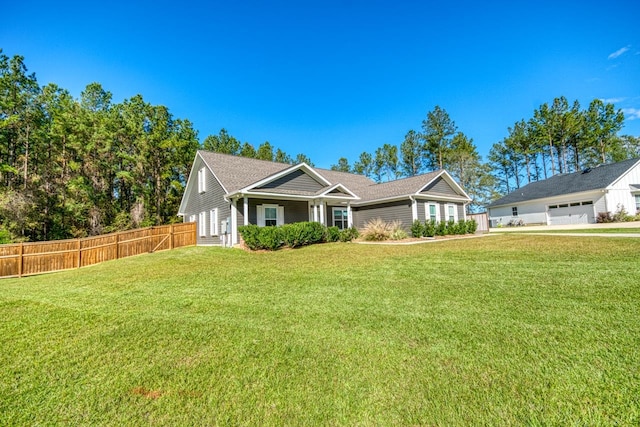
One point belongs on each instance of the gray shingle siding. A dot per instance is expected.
(388, 212)
(294, 211)
(439, 186)
(294, 181)
(212, 198)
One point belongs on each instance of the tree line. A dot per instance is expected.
(77, 167)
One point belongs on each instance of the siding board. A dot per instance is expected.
(387, 212)
(295, 181)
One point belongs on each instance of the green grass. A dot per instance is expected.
(589, 230)
(500, 330)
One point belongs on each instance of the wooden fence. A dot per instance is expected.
(24, 259)
(483, 221)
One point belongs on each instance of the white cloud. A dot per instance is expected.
(631, 113)
(619, 52)
(612, 100)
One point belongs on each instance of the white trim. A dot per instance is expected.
(455, 212)
(234, 222)
(202, 180)
(336, 186)
(449, 180)
(213, 222)
(427, 210)
(245, 210)
(333, 216)
(349, 215)
(202, 224)
(261, 217)
(322, 218)
(414, 209)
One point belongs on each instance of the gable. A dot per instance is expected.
(297, 180)
(338, 192)
(440, 186)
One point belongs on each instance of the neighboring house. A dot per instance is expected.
(234, 191)
(574, 198)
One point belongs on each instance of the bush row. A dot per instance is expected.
(293, 235)
(431, 228)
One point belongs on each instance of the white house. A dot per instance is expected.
(574, 198)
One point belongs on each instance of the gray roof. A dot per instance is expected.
(597, 178)
(236, 173)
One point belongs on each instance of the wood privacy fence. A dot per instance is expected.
(23, 259)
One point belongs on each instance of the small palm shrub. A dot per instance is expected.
(397, 231)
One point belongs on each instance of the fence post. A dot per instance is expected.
(170, 236)
(118, 245)
(79, 253)
(20, 253)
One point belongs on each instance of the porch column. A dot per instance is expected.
(234, 222)
(322, 212)
(349, 215)
(414, 209)
(315, 212)
(246, 210)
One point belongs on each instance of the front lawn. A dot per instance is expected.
(498, 330)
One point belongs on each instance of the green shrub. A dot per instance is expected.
(270, 238)
(397, 231)
(472, 226)
(250, 235)
(430, 228)
(417, 228)
(460, 227)
(441, 229)
(348, 234)
(302, 234)
(5, 236)
(333, 234)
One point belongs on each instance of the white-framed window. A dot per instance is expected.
(514, 211)
(340, 217)
(270, 215)
(637, 197)
(432, 211)
(202, 224)
(202, 181)
(213, 222)
(452, 213)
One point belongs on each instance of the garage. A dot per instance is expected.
(571, 213)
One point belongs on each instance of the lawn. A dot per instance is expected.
(499, 330)
(586, 230)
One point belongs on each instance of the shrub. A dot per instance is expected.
(621, 214)
(376, 230)
(250, 235)
(302, 234)
(5, 236)
(417, 228)
(430, 228)
(604, 217)
(397, 231)
(270, 238)
(333, 234)
(472, 226)
(348, 234)
(441, 229)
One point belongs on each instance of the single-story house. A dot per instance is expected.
(574, 198)
(224, 192)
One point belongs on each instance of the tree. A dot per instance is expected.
(282, 157)
(412, 154)
(342, 165)
(222, 143)
(602, 125)
(247, 150)
(438, 128)
(364, 165)
(265, 151)
(302, 158)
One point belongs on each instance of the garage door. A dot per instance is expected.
(567, 214)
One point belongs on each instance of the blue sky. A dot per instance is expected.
(334, 78)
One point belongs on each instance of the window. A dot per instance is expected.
(514, 211)
(270, 215)
(565, 205)
(202, 224)
(575, 204)
(637, 196)
(553, 206)
(341, 218)
(590, 202)
(202, 184)
(451, 209)
(432, 212)
(213, 222)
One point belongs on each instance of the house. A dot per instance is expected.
(224, 192)
(574, 198)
